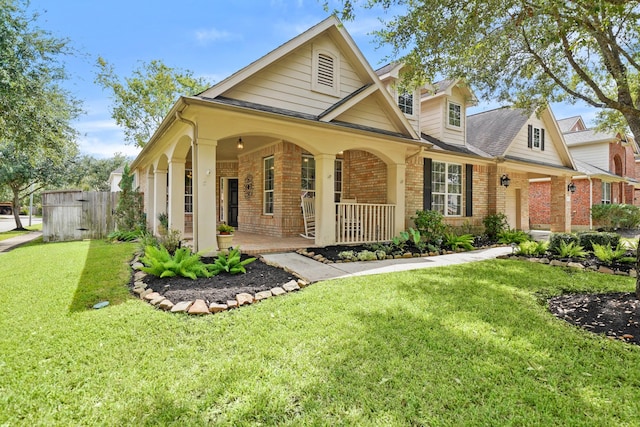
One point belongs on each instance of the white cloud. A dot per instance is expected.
(213, 35)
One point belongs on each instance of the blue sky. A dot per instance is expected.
(212, 38)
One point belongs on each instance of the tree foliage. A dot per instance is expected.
(523, 52)
(143, 100)
(130, 210)
(91, 174)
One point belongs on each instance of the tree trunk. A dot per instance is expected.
(16, 210)
(634, 125)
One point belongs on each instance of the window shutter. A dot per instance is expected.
(541, 139)
(426, 185)
(530, 136)
(468, 177)
(325, 70)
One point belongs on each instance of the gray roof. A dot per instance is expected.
(591, 170)
(565, 125)
(464, 149)
(586, 136)
(493, 131)
(386, 68)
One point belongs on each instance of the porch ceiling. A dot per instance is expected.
(227, 148)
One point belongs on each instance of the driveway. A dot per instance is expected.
(8, 223)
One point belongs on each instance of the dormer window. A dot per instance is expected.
(405, 102)
(325, 72)
(454, 115)
(535, 138)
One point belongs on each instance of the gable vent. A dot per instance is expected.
(325, 70)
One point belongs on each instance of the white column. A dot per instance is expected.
(159, 197)
(176, 195)
(325, 205)
(204, 196)
(149, 196)
(396, 193)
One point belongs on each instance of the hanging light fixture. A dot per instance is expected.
(571, 187)
(240, 144)
(504, 180)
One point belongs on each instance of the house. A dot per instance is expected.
(311, 128)
(606, 173)
(114, 179)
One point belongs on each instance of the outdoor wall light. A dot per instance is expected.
(504, 180)
(571, 187)
(240, 144)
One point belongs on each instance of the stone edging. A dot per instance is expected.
(572, 264)
(200, 306)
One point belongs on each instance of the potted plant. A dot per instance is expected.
(224, 237)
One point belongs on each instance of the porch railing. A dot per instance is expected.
(364, 222)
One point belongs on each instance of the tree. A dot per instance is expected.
(143, 100)
(35, 112)
(130, 214)
(91, 174)
(524, 52)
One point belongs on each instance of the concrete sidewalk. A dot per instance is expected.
(12, 243)
(314, 271)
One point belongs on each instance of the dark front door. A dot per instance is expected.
(232, 213)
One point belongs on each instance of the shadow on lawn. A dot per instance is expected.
(104, 276)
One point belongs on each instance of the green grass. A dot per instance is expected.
(468, 345)
(9, 234)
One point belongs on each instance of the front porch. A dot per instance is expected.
(256, 244)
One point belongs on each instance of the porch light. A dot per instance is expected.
(571, 187)
(240, 144)
(504, 180)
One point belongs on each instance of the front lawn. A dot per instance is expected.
(13, 233)
(468, 345)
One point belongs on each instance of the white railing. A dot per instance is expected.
(364, 222)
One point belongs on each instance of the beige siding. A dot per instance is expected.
(520, 149)
(594, 154)
(431, 118)
(287, 82)
(368, 113)
(434, 118)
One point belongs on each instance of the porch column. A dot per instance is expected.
(204, 196)
(325, 205)
(176, 195)
(396, 174)
(560, 204)
(159, 197)
(150, 204)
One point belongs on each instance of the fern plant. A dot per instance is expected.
(512, 236)
(571, 250)
(159, 262)
(533, 248)
(230, 263)
(453, 241)
(609, 255)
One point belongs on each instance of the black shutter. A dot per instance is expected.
(541, 139)
(530, 136)
(468, 177)
(426, 185)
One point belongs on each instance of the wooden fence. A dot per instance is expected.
(77, 215)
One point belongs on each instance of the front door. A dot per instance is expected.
(232, 205)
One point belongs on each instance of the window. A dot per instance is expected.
(325, 72)
(405, 102)
(269, 184)
(535, 138)
(188, 191)
(455, 111)
(447, 188)
(337, 183)
(606, 193)
(308, 175)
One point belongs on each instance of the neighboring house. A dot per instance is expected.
(114, 179)
(606, 173)
(313, 121)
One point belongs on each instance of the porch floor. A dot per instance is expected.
(255, 244)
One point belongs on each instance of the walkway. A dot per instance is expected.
(8, 244)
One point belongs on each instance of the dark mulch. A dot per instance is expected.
(615, 315)
(223, 287)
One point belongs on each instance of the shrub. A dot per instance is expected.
(171, 240)
(571, 250)
(431, 226)
(556, 238)
(124, 236)
(532, 248)
(495, 224)
(412, 235)
(366, 256)
(159, 262)
(588, 239)
(230, 263)
(129, 212)
(225, 229)
(608, 255)
(616, 216)
(347, 255)
(512, 236)
(454, 242)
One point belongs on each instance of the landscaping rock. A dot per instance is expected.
(158, 300)
(231, 304)
(165, 305)
(302, 283)
(138, 290)
(605, 270)
(544, 261)
(575, 265)
(244, 298)
(145, 293)
(633, 273)
(215, 307)
(137, 265)
(291, 286)
(151, 295)
(621, 273)
(558, 263)
(263, 295)
(277, 291)
(199, 307)
(181, 307)
(139, 275)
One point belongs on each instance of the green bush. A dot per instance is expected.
(431, 226)
(609, 255)
(495, 224)
(588, 239)
(159, 262)
(366, 256)
(171, 240)
(532, 248)
(556, 238)
(230, 263)
(616, 216)
(124, 236)
(453, 241)
(571, 250)
(512, 236)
